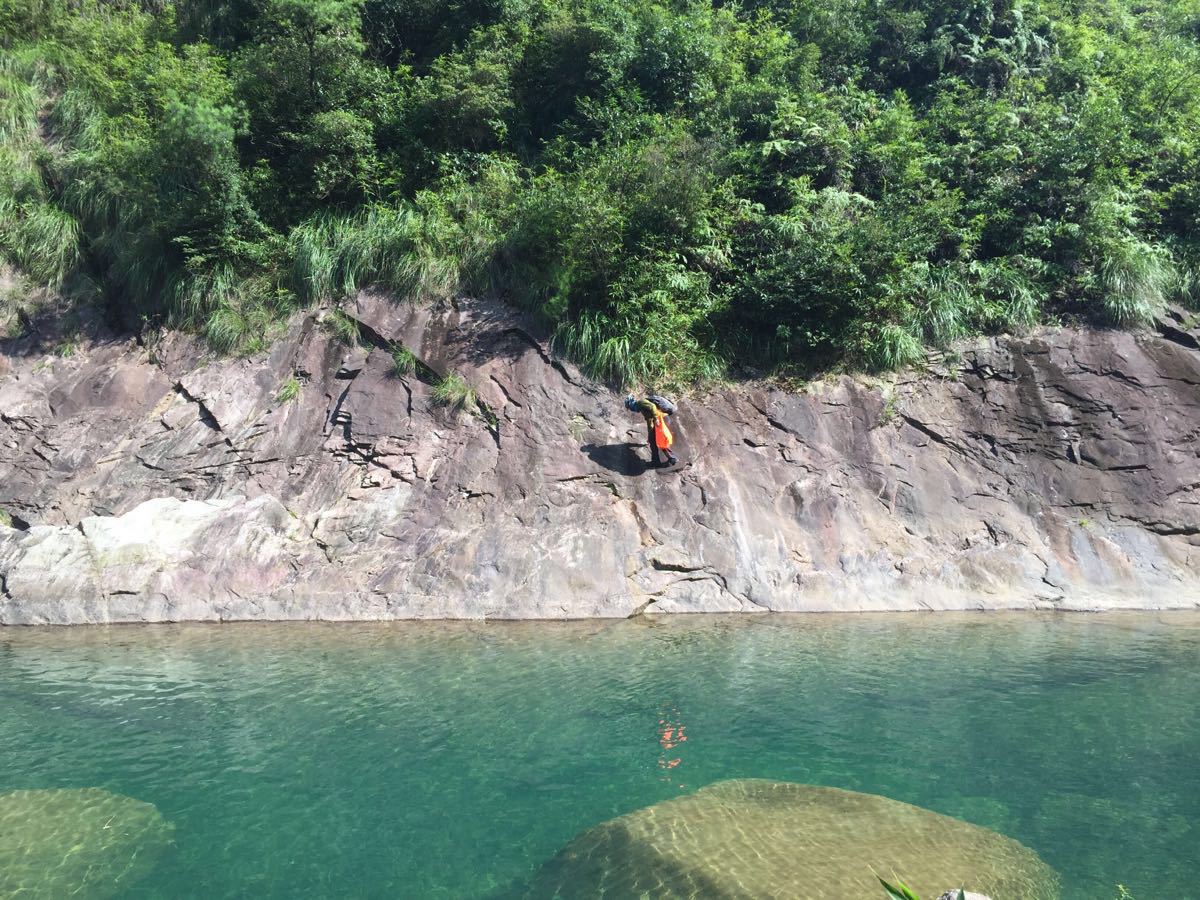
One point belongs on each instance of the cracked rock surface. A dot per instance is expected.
(1056, 470)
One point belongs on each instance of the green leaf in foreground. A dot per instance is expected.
(898, 891)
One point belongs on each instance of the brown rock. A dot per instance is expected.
(1055, 470)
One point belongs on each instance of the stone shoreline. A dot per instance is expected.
(1059, 470)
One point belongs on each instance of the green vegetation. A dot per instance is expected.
(899, 891)
(288, 391)
(404, 361)
(343, 327)
(5, 519)
(889, 414)
(676, 189)
(454, 392)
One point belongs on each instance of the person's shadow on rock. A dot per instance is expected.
(623, 458)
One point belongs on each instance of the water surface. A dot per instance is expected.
(450, 760)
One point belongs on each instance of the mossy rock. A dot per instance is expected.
(76, 843)
(760, 839)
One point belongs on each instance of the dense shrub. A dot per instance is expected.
(678, 190)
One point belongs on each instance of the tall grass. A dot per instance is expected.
(226, 328)
(627, 352)
(1133, 279)
(46, 243)
(239, 321)
(938, 305)
(136, 261)
(195, 295)
(19, 100)
(332, 257)
(1186, 289)
(892, 347)
(1013, 297)
(603, 349)
(945, 302)
(36, 235)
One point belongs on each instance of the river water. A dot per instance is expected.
(450, 760)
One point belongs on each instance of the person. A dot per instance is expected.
(652, 411)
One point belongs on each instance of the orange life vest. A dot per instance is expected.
(663, 438)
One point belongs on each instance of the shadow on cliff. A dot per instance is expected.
(622, 458)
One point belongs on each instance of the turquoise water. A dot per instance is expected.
(450, 760)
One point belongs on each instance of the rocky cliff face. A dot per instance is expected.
(148, 484)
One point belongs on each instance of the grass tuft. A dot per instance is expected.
(404, 361)
(944, 300)
(1018, 297)
(344, 328)
(46, 242)
(288, 391)
(604, 351)
(454, 392)
(226, 328)
(894, 348)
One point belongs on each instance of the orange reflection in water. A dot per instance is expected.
(671, 734)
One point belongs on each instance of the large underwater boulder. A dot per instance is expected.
(762, 839)
(76, 843)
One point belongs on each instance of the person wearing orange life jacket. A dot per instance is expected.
(655, 409)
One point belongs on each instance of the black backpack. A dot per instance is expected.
(664, 404)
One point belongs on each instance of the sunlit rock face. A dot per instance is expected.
(1052, 470)
(760, 839)
(77, 843)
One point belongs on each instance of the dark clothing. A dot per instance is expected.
(650, 411)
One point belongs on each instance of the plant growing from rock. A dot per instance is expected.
(288, 391)
(454, 392)
(404, 361)
(891, 407)
(344, 328)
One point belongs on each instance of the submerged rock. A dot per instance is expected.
(761, 839)
(76, 843)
